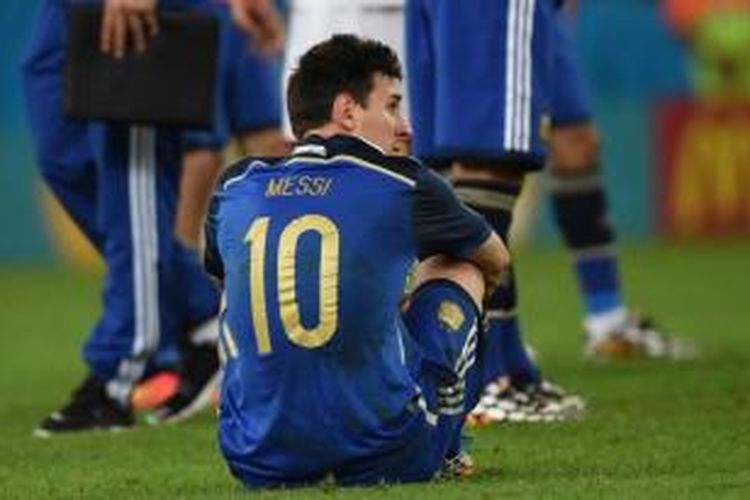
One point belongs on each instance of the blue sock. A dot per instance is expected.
(599, 283)
(518, 364)
(491, 354)
(579, 204)
(444, 323)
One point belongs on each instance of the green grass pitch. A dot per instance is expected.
(654, 430)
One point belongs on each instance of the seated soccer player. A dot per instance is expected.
(326, 376)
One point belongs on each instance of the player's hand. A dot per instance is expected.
(260, 20)
(127, 22)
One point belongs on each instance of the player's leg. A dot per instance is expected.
(157, 293)
(445, 319)
(442, 320)
(167, 390)
(198, 373)
(579, 204)
(198, 304)
(578, 197)
(202, 158)
(195, 300)
(514, 388)
(459, 113)
(129, 328)
(62, 146)
(134, 179)
(66, 161)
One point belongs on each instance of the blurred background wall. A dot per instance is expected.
(24, 234)
(638, 75)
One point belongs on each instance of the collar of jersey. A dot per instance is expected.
(315, 146)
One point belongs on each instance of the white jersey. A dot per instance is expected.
(312, 21)
(346, 3)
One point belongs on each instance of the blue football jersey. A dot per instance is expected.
(313, 252)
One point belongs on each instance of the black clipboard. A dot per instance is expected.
(170, 84)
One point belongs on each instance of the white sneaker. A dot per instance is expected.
(638, 337)
(543, 402)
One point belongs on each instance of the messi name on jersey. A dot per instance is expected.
(299, 185)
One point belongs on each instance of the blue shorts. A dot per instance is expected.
(248, 93)
(571, 102)
(480, 77)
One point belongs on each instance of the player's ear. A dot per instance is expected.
(344, 112)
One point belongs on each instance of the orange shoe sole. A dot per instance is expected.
(154, 391)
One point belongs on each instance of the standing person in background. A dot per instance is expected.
(579, 204)
(119, 184)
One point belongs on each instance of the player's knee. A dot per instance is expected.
(579, 205)
(574, 148)
(494, 199)
(463, 273)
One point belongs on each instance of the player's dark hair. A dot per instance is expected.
(343, 63)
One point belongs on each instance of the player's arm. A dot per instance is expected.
(127, 22)
(445, 226)
(261, 20)
(492, 258)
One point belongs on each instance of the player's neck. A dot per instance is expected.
(332, 129)
(327, 131)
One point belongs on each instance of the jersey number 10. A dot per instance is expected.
(328, 285)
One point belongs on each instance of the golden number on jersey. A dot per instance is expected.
(289, 311)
